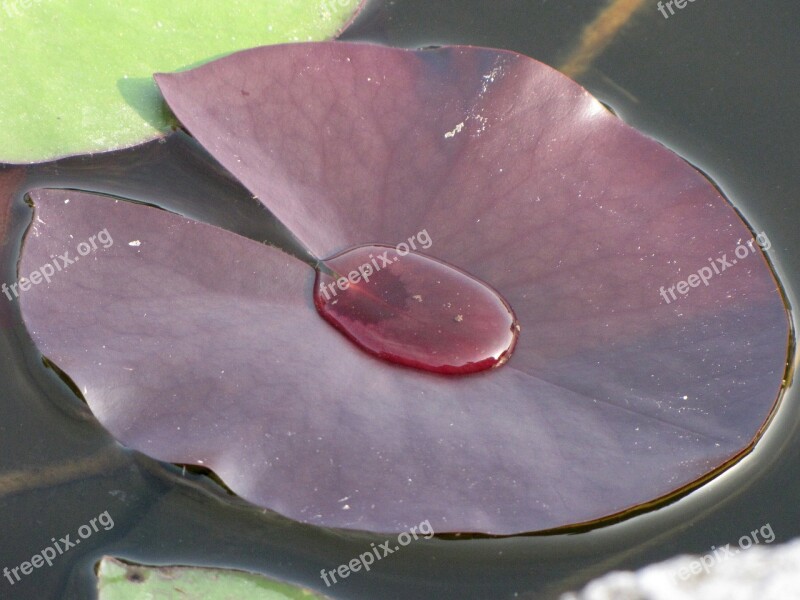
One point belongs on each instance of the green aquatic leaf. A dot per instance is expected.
(76, 76)
(117, 580)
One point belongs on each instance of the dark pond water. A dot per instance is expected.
(717, 82)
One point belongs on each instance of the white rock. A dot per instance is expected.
(758, 573)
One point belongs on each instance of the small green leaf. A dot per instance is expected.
(76, 75)
(123, 581)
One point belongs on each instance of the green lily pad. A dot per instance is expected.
(117, 580)
(76, 75)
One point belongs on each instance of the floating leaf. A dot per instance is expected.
(195, 345)
(117, 580)
(76, 75)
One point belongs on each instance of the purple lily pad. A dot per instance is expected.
(195, 345)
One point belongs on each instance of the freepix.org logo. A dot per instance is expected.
(716, 266)
(376, 264)
(58, 547)
(17, 8)
(376, 552)
(59, 263)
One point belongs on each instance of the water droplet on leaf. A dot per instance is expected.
(415, 311)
